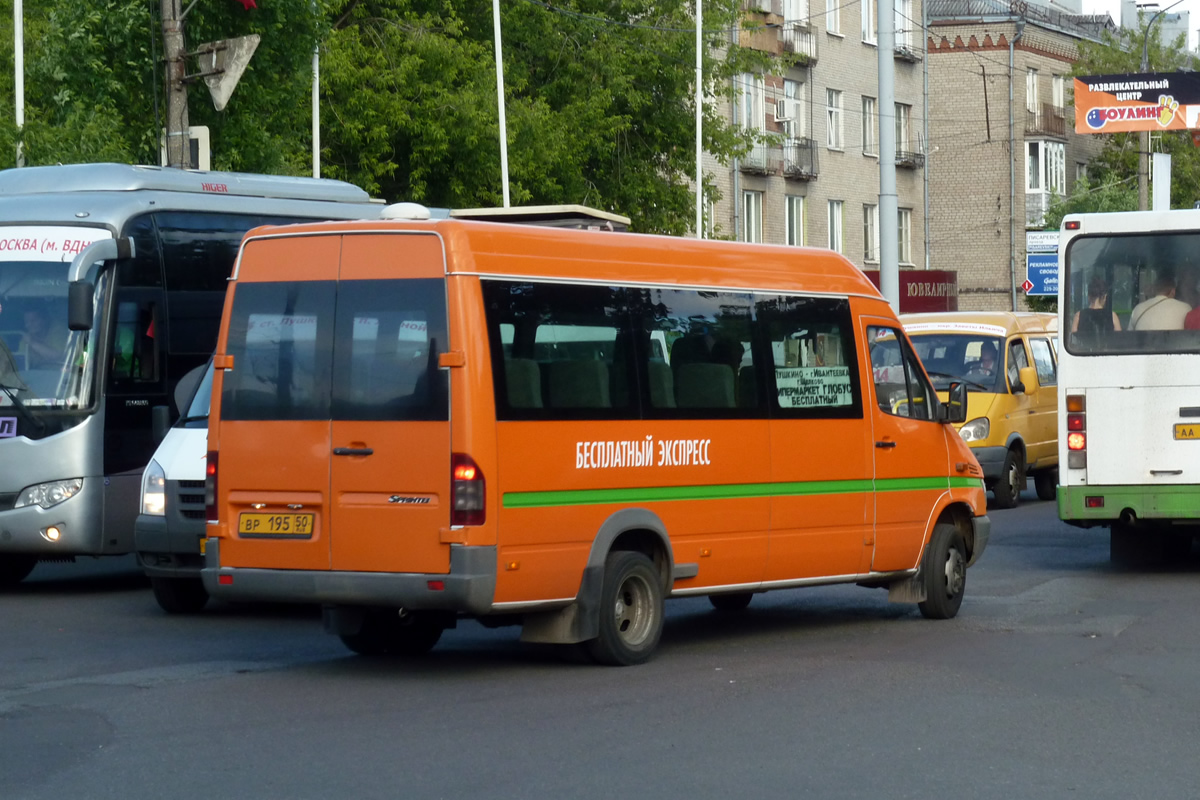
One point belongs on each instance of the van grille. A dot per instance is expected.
(189, 499)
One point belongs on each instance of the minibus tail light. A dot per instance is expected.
(467, 491)
(210, 487)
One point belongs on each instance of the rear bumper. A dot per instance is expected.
(1180, 502)
(983, 531)
(468, 588)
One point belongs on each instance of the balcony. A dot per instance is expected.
(800, 40)
(906, 52)
(909, 160)
(1036, 205)
(1047, 120)
(763, 159)
(800, 159)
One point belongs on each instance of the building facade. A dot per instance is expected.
(1002, 139)
(819, 186)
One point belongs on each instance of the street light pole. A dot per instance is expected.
(1144, 136)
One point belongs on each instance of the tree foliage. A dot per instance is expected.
(599, 105)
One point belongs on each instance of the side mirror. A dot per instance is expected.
(1026, 380)
(80, 299)
(160, 422)
(954, 410)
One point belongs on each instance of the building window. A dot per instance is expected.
(868, 21)
(710, 218)
(1046, 167)
(752, 216)
(794, 123)
(1057, 93)
(833, 16)
(904, 23)
(834, 101)
(869, 125)
(835, 225)
(870, 232)
(794, 206)
(904, 240)
(1080, 171)
(1031, 90)
(753, 115)
(903, 119)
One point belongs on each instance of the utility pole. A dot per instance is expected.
(1144, 135)
(179, 151)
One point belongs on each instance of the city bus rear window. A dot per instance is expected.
(1137, 293)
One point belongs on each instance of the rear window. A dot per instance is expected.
(360, 350)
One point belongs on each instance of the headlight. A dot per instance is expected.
(154, 490)
(976, 430)
(49, 494)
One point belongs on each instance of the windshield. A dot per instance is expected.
(1135, 293)
(970, 357)
(43, 364)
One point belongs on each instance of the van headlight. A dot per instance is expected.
(48, 495)
(154, 490)
(976, 430)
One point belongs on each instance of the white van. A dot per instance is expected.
(169, 532)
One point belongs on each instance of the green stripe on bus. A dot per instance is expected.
(733, 491)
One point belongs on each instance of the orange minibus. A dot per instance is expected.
(415, 421)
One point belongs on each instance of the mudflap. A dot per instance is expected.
(578, 622)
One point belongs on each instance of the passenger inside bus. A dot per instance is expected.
(1097, 318)
(1163, 311)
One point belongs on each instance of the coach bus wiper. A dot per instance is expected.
(192, 418)
(22, 409)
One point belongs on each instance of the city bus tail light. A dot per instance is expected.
(210, 487)
(467, 491)
(1076, 427)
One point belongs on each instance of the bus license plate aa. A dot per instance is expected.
(1187, 430)
(275, 524)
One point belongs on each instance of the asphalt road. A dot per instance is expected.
(1061, 677)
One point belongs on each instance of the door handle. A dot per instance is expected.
(352, 451)
(885, 444)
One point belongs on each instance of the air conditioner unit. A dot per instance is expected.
(781, 111)
(201, 153)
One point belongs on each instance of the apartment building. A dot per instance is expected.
(1001, 137)
(820, 185)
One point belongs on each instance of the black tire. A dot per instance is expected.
(631, 610)
(1007, 489)
(945, 570)
(15, 567)
(1046, 483)
(179, 595)
(385, 632)
(731, 602)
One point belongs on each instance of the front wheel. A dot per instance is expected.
(179, 595)
(631, 610)
(15, 567)
(945, 571)
(1007, 489)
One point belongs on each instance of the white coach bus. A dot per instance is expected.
(1129, 379)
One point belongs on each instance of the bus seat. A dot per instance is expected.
(662, 384)
(705, 386)
(579, 384)
(523, 381)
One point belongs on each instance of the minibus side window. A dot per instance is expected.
(281, 339)
(1044, 361)
(813, 352)
(1017, 361)
(900, 387)
(560, 351)
(709, 370)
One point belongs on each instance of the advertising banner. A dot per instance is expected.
(924, 289)
(1153, 101)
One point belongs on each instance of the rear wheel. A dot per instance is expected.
(730, 602)
(945, 571)
(179, 595)
(15, 567)
(388, 632)
(1007, 489)
(631, 610)
(1046, 483)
